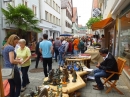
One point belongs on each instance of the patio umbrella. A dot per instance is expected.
(65, 35)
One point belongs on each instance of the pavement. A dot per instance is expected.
(36, 79)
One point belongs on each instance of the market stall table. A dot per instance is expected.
(95, 55)
(71, 86)
(85, 60)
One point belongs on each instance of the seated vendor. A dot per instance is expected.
(109, 63)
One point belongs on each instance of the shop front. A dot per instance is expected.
(124, 38)
(52, 30)
(109, 26)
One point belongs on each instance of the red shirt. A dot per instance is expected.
(70, 47)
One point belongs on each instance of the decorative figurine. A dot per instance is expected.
(54, 81)
(74, 75)
(80, 68)
(66, 74)
(64, 83)
(51, 94)
(51, 73)
(43, 93)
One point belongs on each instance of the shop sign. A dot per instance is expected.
(96, 12)
(54, 27)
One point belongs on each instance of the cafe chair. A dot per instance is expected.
(109, 81)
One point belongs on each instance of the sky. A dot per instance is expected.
(84, 8)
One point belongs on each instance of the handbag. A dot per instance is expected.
(7, 73)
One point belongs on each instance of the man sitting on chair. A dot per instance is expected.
(109, 64)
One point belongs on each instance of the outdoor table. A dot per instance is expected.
(71, 86)
(85, 60)
(95, 55)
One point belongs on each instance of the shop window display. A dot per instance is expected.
(124, 43)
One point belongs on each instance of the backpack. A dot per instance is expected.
(61, 49)
(81, 45)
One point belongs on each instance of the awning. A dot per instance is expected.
(101, 24)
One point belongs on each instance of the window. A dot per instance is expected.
(50, 2)
(50, 33)
(56, 7)
(6, 3)
(66, 24)
(53, 4)
(34, 8)
(59, 22)
(26, 3)
(54, 19)
(50, 17)
(46, 15)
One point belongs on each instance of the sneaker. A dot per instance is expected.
(23, 89)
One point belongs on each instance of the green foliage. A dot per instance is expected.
(93, 20)
(22, 17)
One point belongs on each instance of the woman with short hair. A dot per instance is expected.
(23, 52)
(10, 61)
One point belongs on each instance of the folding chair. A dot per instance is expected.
(120, 62)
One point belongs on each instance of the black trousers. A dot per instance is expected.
(47, 62)
(25, 78)
(15, 84)
(37, 60)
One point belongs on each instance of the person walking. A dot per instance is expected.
(75, 43)
(46, 49)
(24, 53)
(10, 61)
(62, 52)
(57, 44)
(38, 52)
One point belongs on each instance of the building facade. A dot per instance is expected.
(66, 16)
(82, 30)
(50, 16)
(48, 12)
(6, 28)
(75, 21)
(120, 33)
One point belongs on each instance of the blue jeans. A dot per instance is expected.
(75, 52)
(98, 73)
(15, 84)
(61, 61)
(56, 53)
(25, 78)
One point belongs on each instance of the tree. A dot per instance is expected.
(22, 17)
(93, 20)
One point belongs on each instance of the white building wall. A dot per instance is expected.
(49, 27)
(63, 15)
(74, 27)
(110, 5)
(64, 18)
